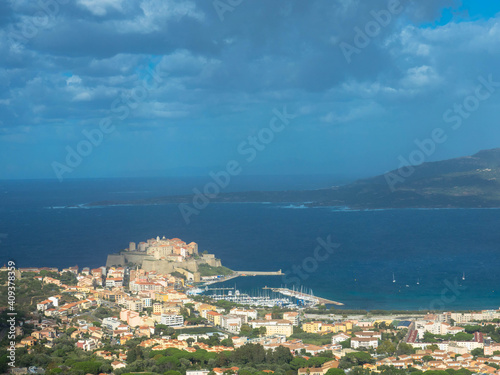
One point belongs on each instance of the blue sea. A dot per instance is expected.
(385, 259)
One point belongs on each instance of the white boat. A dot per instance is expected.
(463, 276)
(195, 291)
(393, 278)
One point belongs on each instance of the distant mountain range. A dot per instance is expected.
(466, 182)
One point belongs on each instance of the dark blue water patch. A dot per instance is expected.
(433, 248)
(52, 193)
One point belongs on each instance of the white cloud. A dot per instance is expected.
(155, 14)
(421, 76)
(354, 113)
(82, 97)
(328, 118)
(73, 80)
(101, 7)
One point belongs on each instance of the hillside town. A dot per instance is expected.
(113, 316)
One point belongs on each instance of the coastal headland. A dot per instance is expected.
(174, 255)
(165, 256)
(465, 182)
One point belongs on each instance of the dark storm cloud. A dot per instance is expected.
(226, 72)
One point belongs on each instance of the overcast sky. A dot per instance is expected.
(181, 85)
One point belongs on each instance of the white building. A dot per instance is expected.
(87, 345)
(139, 286)
(470, 345)
(197, 372)
(114, 281)
(449, 345)
(337, 339)
(172, 320)
(293, 317)
(134, 304)
(44, 305)
(111, 323)
(231, 322)
(364, 342)
(55, 300)
(248, 313)
(369, 334)
(274, 326)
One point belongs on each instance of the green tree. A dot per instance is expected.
(404, 348)
(227, 342)
(359, 371)
(477, 352)
(429, 337)
(134, 354)
(88, 367)
(462, 336)
(281, 355)
(245, 330)
(386, 347)
(298, 362)
(335, 371)
(249, 354)
(355, 359)
(346, 344)
(68, 278)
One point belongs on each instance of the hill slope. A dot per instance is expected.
(471, 181)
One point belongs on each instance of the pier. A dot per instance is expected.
(304, 296)
(244, 273)
(259, 273)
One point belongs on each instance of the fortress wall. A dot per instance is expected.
(211, 260)
(115, 260)
(126, 257)
(159, 266)
(149, 263)
(137, 258)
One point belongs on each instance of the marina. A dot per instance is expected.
(283, 297)
(267, 297)
(301, 295)
(264, 298)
